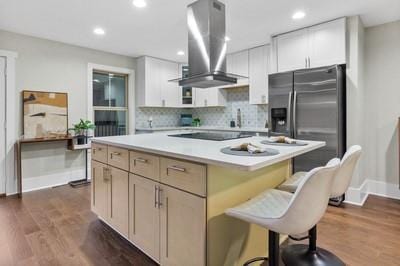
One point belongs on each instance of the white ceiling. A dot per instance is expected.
(160, 29)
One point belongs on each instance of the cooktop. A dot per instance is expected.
(217, 136)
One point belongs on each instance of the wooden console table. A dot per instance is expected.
(22, 141)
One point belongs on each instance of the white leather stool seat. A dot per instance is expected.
(291, 184)
(270, 204)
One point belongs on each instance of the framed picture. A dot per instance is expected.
(45, 114)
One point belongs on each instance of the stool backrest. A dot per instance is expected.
(311, 198)
(342, 179)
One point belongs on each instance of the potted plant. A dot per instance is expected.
(81, 130)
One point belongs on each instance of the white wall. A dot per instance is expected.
(355, 90)
(53, 66)
(382, 105)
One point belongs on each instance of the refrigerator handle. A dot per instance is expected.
(289, 112)
(294, 115)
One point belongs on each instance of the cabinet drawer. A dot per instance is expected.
(118, 157)
(99, 152)
(145, 165)
(187, 176)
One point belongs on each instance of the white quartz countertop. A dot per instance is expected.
(206, 128)
(206, 151)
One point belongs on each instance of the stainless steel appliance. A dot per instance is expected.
(217, 136)
(310, 104)
(207, 46)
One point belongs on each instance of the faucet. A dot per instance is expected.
(150, 121)
(239, 118)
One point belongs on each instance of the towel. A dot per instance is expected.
(282, 139)
(249, 147)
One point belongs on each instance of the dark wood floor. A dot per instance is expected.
(56, 227)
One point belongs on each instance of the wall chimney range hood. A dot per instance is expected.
(207, 46)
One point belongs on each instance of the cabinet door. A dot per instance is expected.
(328, 43)
(170, 91)
(216, 97)
(152, 85)
(144, 225)
(238, 63)
(201, 99)
(118, 203)
(292, 50)
(183, 228)
(99, 189)
(258, 75)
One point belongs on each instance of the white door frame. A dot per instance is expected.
(11, 122)
(131, 91)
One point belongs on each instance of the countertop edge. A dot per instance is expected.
(247, 168)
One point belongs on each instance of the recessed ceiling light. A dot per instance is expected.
(99, 31)
(139, 3)
(298, 15)
(227, 39)
(180, 53)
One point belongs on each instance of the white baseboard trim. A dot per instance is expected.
(52, 180)
(358, 196)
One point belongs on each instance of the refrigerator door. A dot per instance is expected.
(280, 100)
(316, 105)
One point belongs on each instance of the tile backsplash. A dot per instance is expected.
(237, 98)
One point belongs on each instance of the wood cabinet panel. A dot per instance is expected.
(119, 200)
(183, 228)
(145, 164)
(184, 175)
(99, 152)
(99, 187)
(144, 224)
(118, 157)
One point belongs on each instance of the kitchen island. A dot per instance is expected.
(168, 195)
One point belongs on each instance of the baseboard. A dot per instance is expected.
(52, 180)
(358, 196)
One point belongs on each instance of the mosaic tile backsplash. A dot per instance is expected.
(237, 98)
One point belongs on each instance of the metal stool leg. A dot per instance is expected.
(273, 251)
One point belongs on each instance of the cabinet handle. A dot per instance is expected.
(140, 160)
(155, 196)
(115, 153)
(163, 103)
(205, 102)
(309, 65)
(94, 186)
(263, 99)
(160, 190)
(305, 59)
(176, 168)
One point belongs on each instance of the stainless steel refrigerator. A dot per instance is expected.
(310, 104)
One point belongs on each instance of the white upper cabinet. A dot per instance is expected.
(320, 45)
(238, 63)
(152, 85)
(258, 74)
(210, 97)
(292, 50)
(327, 43)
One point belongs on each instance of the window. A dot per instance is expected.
(110, 103)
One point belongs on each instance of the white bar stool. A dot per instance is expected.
(282, 212)
(342, 179)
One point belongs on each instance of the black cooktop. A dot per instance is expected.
(217, 136)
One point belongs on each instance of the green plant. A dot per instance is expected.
(82, 127)
(196, 122)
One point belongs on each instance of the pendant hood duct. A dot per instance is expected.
(207, 46)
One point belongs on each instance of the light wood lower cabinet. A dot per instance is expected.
(119, 200)
(183, 228)
(99, 189)
(144, 225)
(110, 196)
